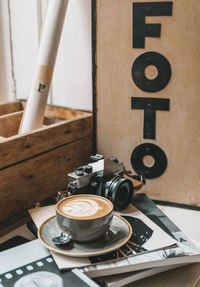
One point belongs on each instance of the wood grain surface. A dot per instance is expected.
(34, 165)
(11, 107)
(21, 147)
(37, 178)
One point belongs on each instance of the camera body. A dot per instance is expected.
(104, 177)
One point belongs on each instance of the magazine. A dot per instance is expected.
(31, 264)
(119, 280)
(146, 237)
(168, 218)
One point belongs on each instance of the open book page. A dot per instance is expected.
(146, 237)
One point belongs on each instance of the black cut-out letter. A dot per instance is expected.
(150, 106)
(163, 67)
(160, 160)
(142, 30)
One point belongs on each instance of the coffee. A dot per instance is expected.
(84, 207)
(84, 217)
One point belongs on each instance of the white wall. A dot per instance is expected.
(7, 86)
(72, 80)
(25, 43)
(72, 83)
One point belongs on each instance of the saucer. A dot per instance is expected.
(119, 225)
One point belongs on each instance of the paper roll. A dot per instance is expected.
(52, 29)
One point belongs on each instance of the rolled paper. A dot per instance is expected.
(35, 108)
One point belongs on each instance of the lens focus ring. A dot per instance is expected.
(119, 191)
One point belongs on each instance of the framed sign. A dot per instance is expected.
(147, 59)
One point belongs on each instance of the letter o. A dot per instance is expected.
(160, 160)
(163, 67)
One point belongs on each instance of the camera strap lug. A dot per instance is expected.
(97, 181)
(140, 180)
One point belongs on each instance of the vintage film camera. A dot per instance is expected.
(104, 177)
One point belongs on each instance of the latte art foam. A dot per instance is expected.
(84, 207)
(81, 208)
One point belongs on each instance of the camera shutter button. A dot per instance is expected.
(79, 172)
(88, 169)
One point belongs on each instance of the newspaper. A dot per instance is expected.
(147, 237)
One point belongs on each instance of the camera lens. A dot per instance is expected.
(119, 191)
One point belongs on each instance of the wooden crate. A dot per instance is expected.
(34, 165)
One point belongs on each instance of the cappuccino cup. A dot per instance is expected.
(84, 217)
